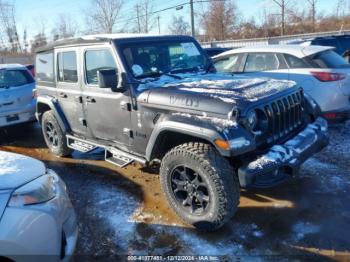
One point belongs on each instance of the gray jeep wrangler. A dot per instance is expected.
(158, 98)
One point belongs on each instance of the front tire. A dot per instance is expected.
(200, 185)
(54, 137)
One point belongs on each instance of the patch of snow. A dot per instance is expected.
(301, 229)
(220, 86)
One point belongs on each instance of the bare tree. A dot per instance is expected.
(145, 18)
(220, 19)
(313, 4)
(178, 26)
(283, 8)
(66, 27)
(103, 14)
(9, 26)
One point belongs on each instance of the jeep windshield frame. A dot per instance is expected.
(152, 57)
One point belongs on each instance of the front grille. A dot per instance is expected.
(282, 116)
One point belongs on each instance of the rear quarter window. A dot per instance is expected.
(44, 67)
(329, 59)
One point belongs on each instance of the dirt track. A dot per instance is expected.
(123, 211)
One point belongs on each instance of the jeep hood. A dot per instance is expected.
(210, 93)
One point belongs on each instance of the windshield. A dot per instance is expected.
(329, 59)
(10, 78)
(151, 59)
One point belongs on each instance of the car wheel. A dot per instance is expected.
(200, 185)
(54, 137)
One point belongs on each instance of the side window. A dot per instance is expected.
(261, 62)
(228, 64)
(295, 62)
(96, 60)
(67, 67)
(44, 67)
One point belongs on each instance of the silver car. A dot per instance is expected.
(37, 220)
(17, 103)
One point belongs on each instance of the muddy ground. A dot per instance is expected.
(123, 211)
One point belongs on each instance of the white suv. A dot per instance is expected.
(322, 73)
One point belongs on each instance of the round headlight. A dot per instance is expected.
(252, 119)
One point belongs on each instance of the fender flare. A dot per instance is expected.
(52, 103)
(186, 126)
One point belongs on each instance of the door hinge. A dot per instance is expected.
(83, 121)
(128, 132)
(125, 106)
(79, 99)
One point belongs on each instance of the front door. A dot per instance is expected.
(107, 112)
(69, 88)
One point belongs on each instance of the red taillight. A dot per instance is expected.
(328, 76)
(330, 115)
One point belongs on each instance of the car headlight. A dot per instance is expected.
(40, 190)
(252, 119)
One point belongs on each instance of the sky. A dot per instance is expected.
(31, 14)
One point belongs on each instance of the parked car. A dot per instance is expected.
(145, 98)
(17, 103)
(321, 72)
(31, 69)
(36, 215)
(213, 51)
(341, 43)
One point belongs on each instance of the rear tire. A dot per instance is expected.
(200, 185)
(54, 137)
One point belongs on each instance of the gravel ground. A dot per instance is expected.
(123, 211)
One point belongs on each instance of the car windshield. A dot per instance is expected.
(152, 59)
(329, 59)
(10, 78)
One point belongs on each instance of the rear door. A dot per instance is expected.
(269, 65)
(107, 113)
(69, 92)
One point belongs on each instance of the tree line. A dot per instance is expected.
(215, 20)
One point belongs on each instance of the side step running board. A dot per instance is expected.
(112, 155)
(80, 144)
(121, 158)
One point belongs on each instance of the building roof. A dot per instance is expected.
(296, 50)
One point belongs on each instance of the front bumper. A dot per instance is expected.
(284, 160)
(41, 232)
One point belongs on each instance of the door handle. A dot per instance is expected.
(63, 95)
(90, 99)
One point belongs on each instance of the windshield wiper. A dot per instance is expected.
(158, 74)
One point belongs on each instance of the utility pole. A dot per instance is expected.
(282, 5)
(192, 19)
(158, 17)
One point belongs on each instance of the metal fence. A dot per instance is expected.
(271, 40)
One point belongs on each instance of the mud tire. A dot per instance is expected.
(59, 147)
(216, 171)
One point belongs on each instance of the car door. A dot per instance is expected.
(107, 112)
(262, 64)
(69, 88)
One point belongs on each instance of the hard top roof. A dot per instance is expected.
(100, 38)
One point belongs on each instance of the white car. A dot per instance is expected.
(17, 103)
(36, 216)
(323, 74)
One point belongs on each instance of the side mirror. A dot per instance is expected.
(108, 78)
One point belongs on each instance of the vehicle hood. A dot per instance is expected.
(209, 93)
(17, 170)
